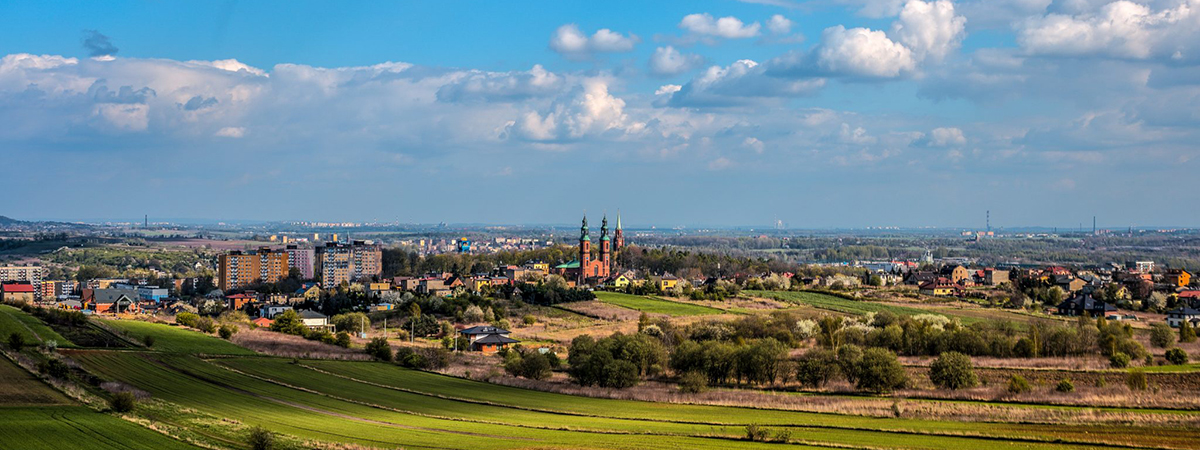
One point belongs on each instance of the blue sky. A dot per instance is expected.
(829, 113)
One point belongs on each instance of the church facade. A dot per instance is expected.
(586, 267)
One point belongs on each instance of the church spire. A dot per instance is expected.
(583, 230)
(618, 219)
(604, 227)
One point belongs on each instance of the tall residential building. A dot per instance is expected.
(304, 259)
(237, 269)
(339, 262)
(28, 273)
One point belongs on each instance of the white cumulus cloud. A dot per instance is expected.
(1121, 29)
(726, 27)
(930, 29)
(568, 41)
(669, 61)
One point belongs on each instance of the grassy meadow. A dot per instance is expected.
(174, 339)
(655, 305)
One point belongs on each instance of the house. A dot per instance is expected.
(1069, 283)
(111, 301)
(69, 304)
(955, 273)
(1084, 305)
(919, 277)
(1179, 277)
(619, 281)
(666, 282)
(375, 290)
(993, 277)
(487, 339)
(314, 320)
(262, 322)
(17, 292)
(940, 286)
(237, 301)
(272, 309)
(383, 307)
(1177, 316)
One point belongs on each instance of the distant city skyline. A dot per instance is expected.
(842, 114)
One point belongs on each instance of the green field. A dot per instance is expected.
(33, 330)
(834, 303)
(384, 405)
(655, 305)
(20, 388)
(65, 427)
(174, 339)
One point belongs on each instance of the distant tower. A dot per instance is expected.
(585, 251)
(618, 236)
(1093, 224)
(605, 247)
(989, 220)
(146, 221)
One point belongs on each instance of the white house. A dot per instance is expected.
(314, 320)
(1177, 316)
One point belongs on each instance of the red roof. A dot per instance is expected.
(17, 287)
(263, 322)
(242, 296)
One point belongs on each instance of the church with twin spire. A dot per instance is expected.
(586, 267)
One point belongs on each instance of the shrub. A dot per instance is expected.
(1161, 335)
(227, 331)
(206, 325)
(529, 319)
(1177, 356)
(187, 319)
(880, 371)
(343, 339)
(379, 349)
(122, 402)
(1119, 360)
(16, 341)
(148, 340)
(1065, 386)
(54, 368)
(953, 370)
(754, 432)
(1018, 385)
(1186, 332)
(534, 366)
(1136, 380)
(693, 383)
(261, 439)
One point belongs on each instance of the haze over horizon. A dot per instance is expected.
(842, 114)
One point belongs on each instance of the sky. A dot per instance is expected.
(818, 113)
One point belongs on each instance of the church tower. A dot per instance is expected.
(618, 236)
(605, 248)
(585, 251)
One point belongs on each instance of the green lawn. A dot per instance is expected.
(655, 305)
(174, 339)
(31, 328)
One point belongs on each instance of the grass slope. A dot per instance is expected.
(20, 388)
(63, 427)
(655, 305)
(31, 328)
(174, 339)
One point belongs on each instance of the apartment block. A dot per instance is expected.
(303, 259)
(28, 273)
(341, 262)
(238, 269)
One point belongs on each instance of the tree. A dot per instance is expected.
(16, 341)
(343, 339)
(187, 319)
(880, 371)
(353, 321)
(1186, 332)
(1119, 360)
(379, 349)
(816, 367)
(1161, 335)
(122, 402)
(261, 439)
(1177, 356)
(227, 331)
(1157, 301)
(953, 370)
(289, 322)
(693, 383)
(535, 366)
